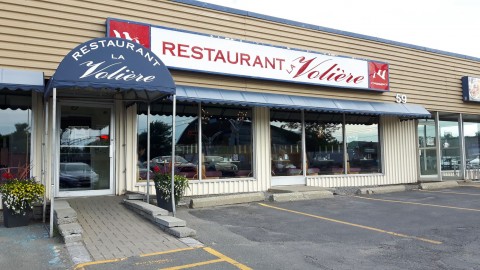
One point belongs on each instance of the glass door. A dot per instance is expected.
(85, 151)
(450, 147)
(427, 143)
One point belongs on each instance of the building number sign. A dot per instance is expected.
(401, 98)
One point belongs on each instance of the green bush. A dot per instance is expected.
(163, 184)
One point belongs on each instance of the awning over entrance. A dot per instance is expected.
(25, 80)
(114, 65)
(219, 96)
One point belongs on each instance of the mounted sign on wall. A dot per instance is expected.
(191, 51)
(471, 89)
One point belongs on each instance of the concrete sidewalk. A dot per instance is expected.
(29, 247)
(110, 230)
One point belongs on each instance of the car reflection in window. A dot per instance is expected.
(181, 164)
(77, 174)
(219, 163)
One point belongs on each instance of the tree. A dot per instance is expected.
(160, 141)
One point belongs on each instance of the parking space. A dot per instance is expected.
(409, 230)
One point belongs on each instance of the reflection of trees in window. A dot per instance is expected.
(160, 140)
(16, 146)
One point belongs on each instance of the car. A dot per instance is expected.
(219, 163)
(77, 174)
(474, 163)
(181, 164)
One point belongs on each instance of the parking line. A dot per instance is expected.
(450, 192)
(81, 266)
(227, 259)
(220, 256)
(167, 252)
(355, 225)
(423, 204)
(193, 265)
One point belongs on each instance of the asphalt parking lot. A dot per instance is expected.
(408, 230)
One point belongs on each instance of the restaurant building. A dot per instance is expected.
(257, 101)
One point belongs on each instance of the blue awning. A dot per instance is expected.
(25, 80)
(220, 96)
(114, 65)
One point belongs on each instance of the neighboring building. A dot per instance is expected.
(260, 101)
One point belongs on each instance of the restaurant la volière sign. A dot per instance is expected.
(191, 51)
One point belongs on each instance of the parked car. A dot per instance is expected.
(77, 174)
(474, 163)
(219, 163)
(181, 164)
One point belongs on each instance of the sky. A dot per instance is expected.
(447, 25)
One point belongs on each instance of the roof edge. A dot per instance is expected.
(321, 28)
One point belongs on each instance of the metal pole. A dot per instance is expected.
(124, 143)
(44, 158)
(148, 153)
(174, 113)
(53, 159)
(304, 147)
(199, 143)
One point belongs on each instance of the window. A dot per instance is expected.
(15, 135)
(286, 142)
(471, 129)
(186, 150)
(363, 150)
(324, 142)
(226, 142)
(331, 141)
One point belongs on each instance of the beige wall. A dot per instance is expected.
(37, 34)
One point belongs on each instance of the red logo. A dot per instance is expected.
(138, 33)
(378, 76)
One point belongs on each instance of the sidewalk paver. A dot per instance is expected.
(113, 231)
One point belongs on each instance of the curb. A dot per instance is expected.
(300, 196)
(65, 219)
(226, 200)
(160, 217)
(438, 185)
(382, 189)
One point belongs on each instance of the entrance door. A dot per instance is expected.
(427, 143)
(85, 163)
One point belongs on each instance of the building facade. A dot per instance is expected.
(259, 101)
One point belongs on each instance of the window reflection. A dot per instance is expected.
(471, 127)
(226, 142)
(186, 151)
(15, 135)
(286, 142)
(363, 151)
(324, 142)
(450, 145)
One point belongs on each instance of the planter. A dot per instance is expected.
(162, 202)
(11, 219)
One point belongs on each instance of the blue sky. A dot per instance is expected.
(449, 25)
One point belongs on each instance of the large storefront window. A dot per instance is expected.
(324, 140)
(286, 142)
(324, 143)
(363, 150)
(226, 140)
(15, 134)
(471, 129)
(186, 151)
